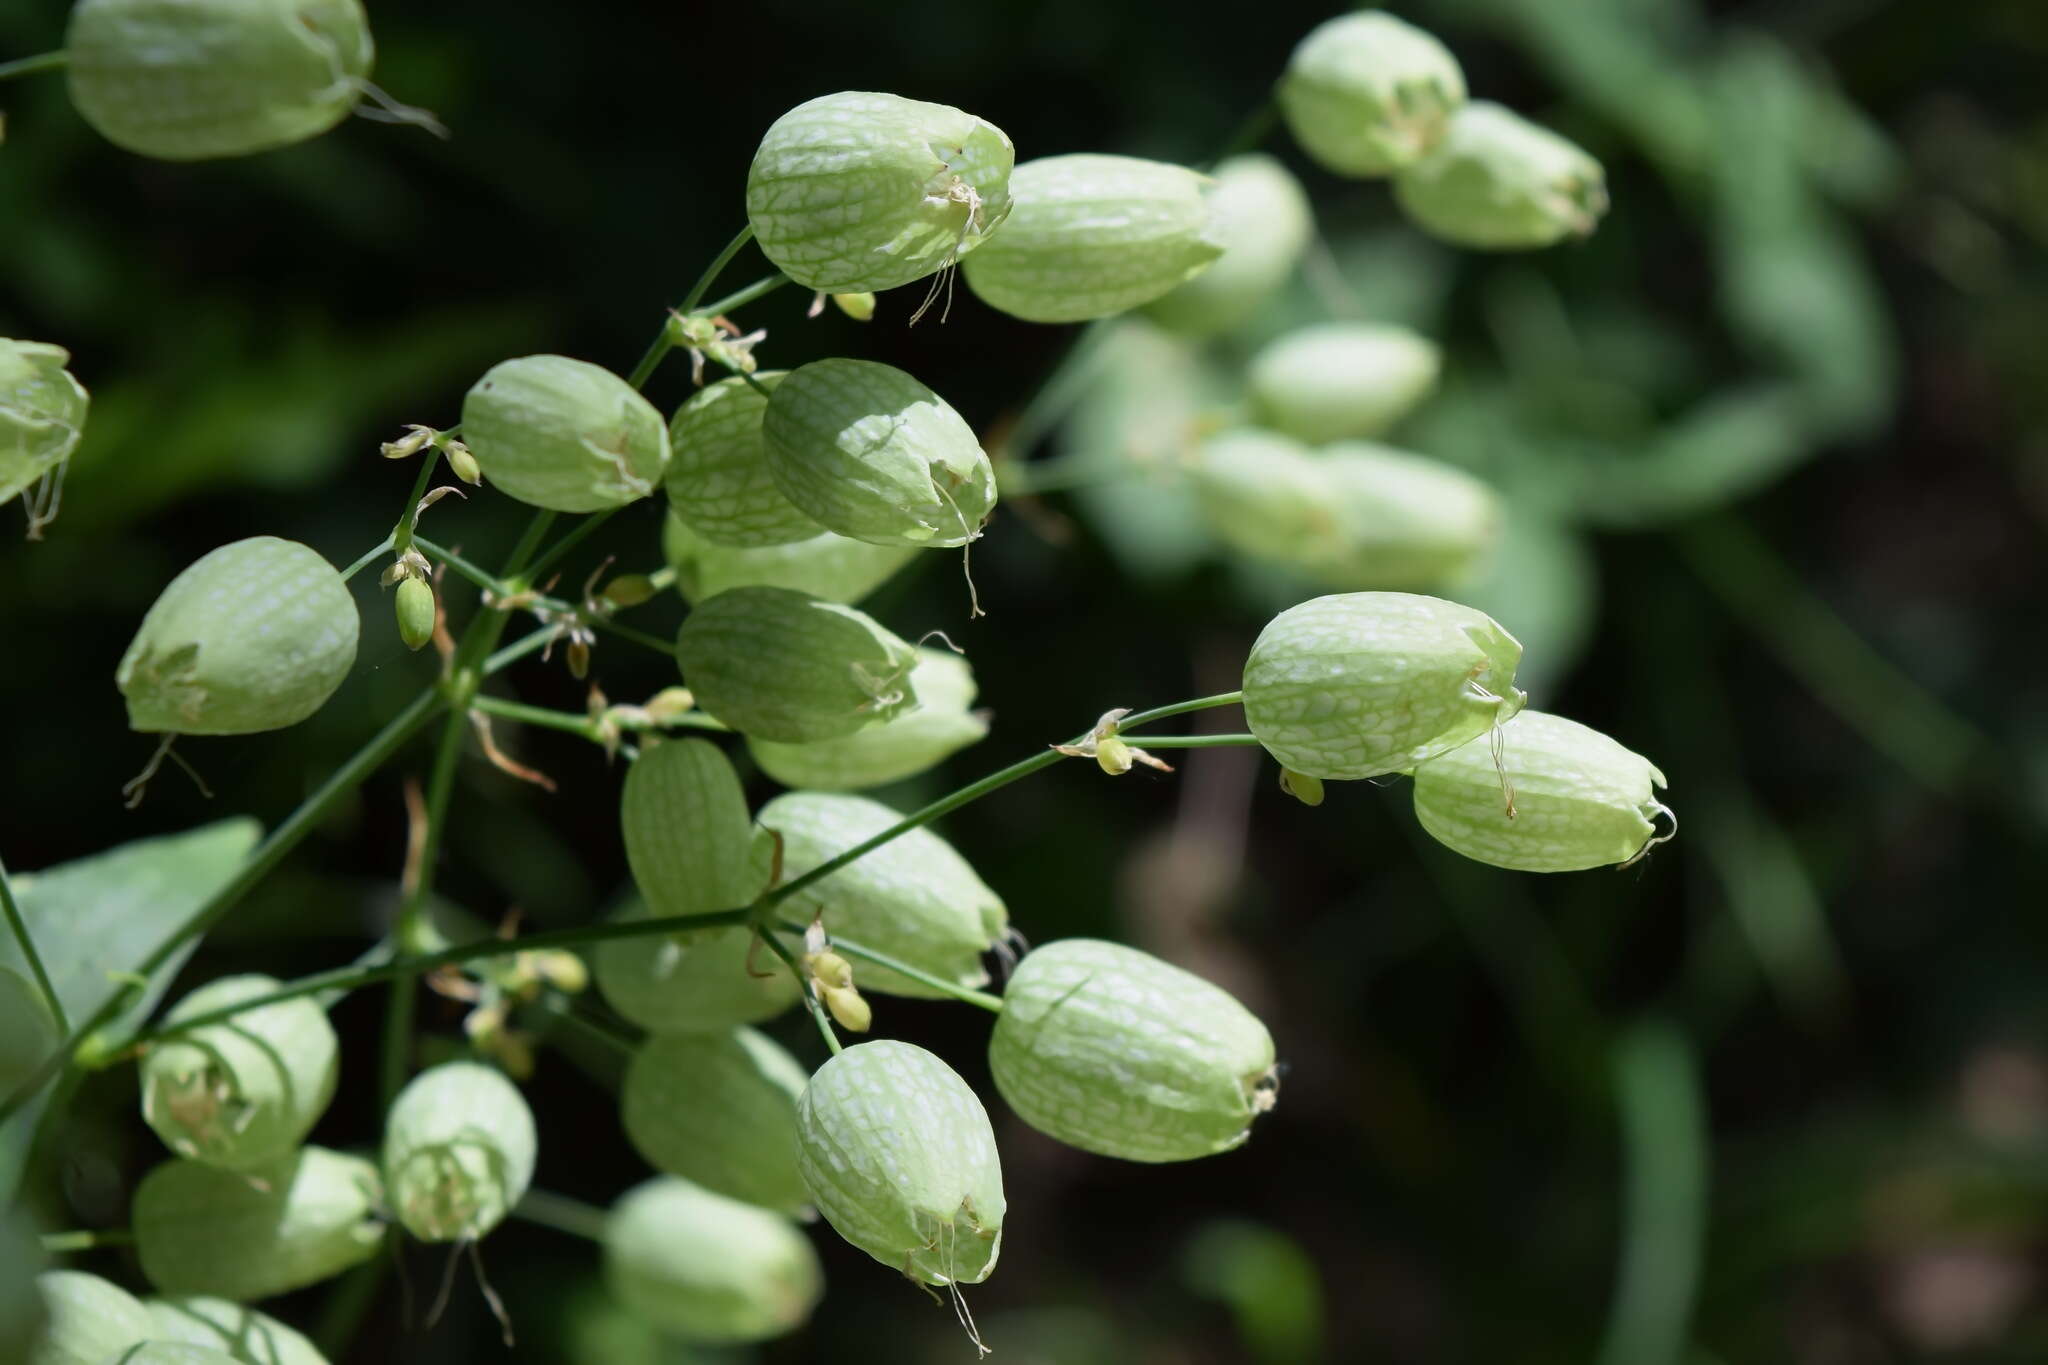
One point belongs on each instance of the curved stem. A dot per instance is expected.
(1179, 708)
(1200, 741)
(30, 66)
(633, 633)
(967, 994)
(402, 534)
(803, 981)
(573, 539)
(375, 553)
(715, 269)
(456, 562)
(28, 951)
(766, 285)
(561, 1213)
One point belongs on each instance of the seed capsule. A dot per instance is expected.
(827, 565)
(1498, 182)
(1407, 521)
(719, 1109)
(900, 1159)
(246, 1090)
(28, 1032)
(869, 452)
(786, 666)
(690, 983)
(706, 1267)
(913, 898)
(689, 837)
(207, 78)
(87, 1320)
(1366, 94)
(1552, 796)
(1268, 495)
(1342, 379)
(1113, 1051)
(564, 434)
(256, 635)
(246, 1335)
(251, 1234)
(718, 479)
(416, 611)
(1092, 236)
(858, 191)
(458, 1151)
(1359, 684)
(42, 412)
(1261, 215)
(942, 723)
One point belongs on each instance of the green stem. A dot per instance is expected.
(28, 950)
(30, 66)
(1029, 478)
(410, 932)
(58, 1243)
(402, 534)
(980, 999)
(511, 654)
(561, 1213)
(569, 722)
(1200, 741)
(639, 637)
(715, 269)
(1179, 708)
(766, 285)
(1057, 394)
(571, 540)
(456, 562)
(803, 981)
(529, 541)
(370, 557)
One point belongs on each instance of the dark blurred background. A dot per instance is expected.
(1776, 441)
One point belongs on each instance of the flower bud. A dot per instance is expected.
(904, 745)
(251, 1234)
(564, 434)
(462, 461)
(246, 1335)
(1366, 94)
(1114, 1051)
(787, 666)
(706, 1267)
(1267, 495)
(859, 307)
(1359, 684)
(1498, 182)
(207, 78)
(858, 191)
(415, 609)
(1406, 521)
(1341, 379)
(254, 636)
(246, 1090)
(869, 452)
(899, 1158)
(913, 898)
(629, 590)
(827, 565)
(691, 983)
(1261, 215)
(719, 1109)
(42, 412)
(1303, 788)
(458, 1151)
(1092, 236)
(718, 479)
(1549, 795)
(28, 1031)
(87, 1320)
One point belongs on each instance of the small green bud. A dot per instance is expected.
(244, 1091)
(1303, 788)
(691, 983)
(458, 1151)
(708, 1268)
(416, 611)
(1341, 379)
(1498, 182)
(88, 1320)
(1114, 1051)
(255, 635)
(189, 79)
(1406, 521)
(899, 1158)
(28, 1031)
(869, 452)
(860, 191)
(859, 307)
(252, 1234)
(1366, 94)
(1547, 795)
(1359, 684)
(564, 434)
(42, 412)
(1092, 236)
(827, 565)
(942, 724)
(629, 590)
(718, 477)
(463, 461)
(719, 1109)
(1261, 215)
(913, 898)
(787, 666)
(246, 1335)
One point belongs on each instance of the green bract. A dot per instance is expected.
(1359, 684)
(42, 412)
(248, 1336)
(1500, 182)
(1261, 215)
(189, 79)
(255, 636)
(706, 1267)
(900, 1159)
(690, 983)
(718, 479)
(854, 192)
(1551, 796)
(248, 1089)
(1341, 379)
(1094, 235)
(941, 724)
(869, 452)
(1267, 495)
(28, 1031)
(719, 1109)
(1366, 94)
(564, 434)
(250, 1234)
(1114, 1051)
(458, 1151)
(88, 1321)
(827, 565)
(788, 666)
(1407, 521)
(913, 898)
